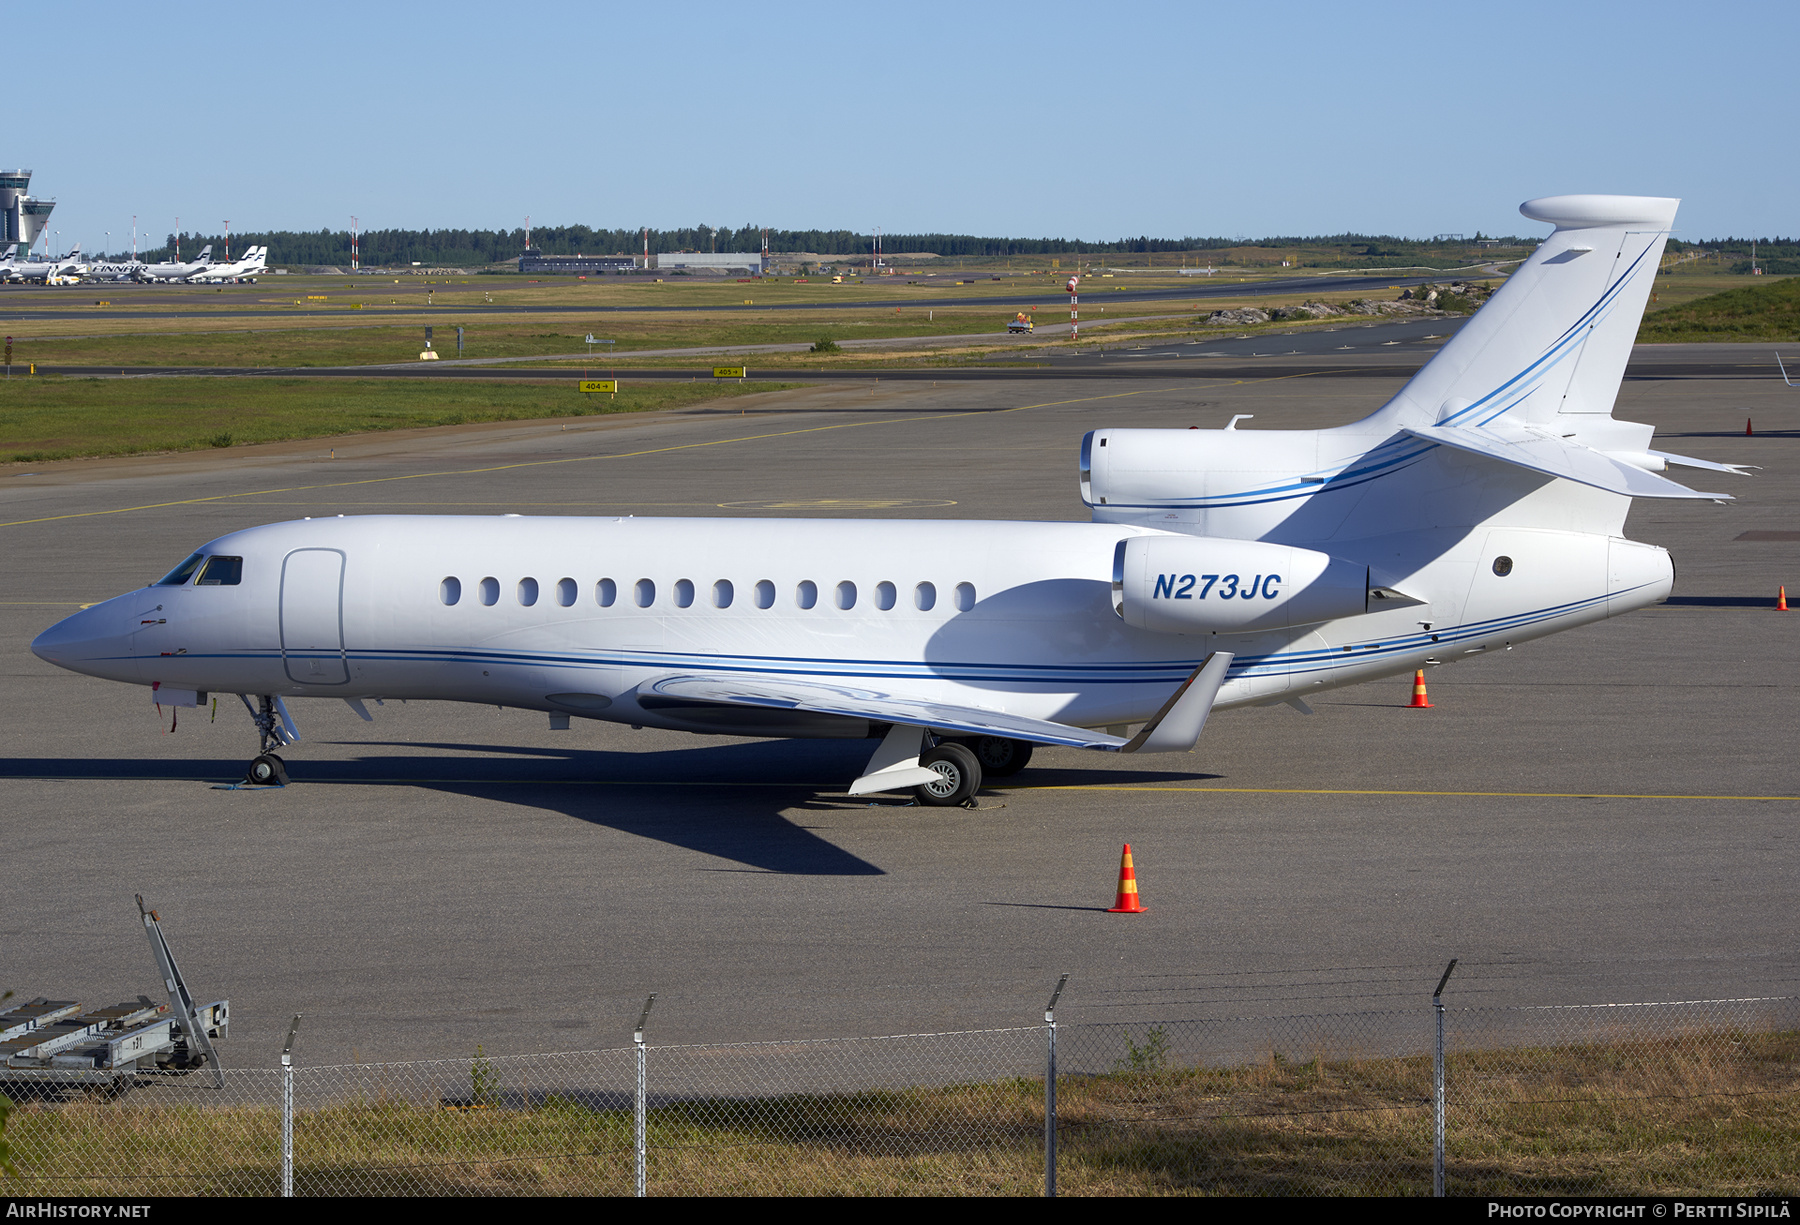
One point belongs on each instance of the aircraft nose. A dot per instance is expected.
(93, 641)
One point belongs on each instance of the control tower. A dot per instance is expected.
(22, 217)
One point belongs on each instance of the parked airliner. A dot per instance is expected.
(174, 270)
(248, 268)
(64, 271)
(1483, 506)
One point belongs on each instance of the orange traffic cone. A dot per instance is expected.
(1128, 895)
(1781, 601)
(1420, 701)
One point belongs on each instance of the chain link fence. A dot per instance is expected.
(1625, 1099)
(1695, 1098)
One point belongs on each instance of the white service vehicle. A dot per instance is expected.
(1483, 506)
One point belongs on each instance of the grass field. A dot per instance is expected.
(1715, 1115)
(295, 295)
(1759, 309)
(88, 336)
(57, 418)
(49, 418)
(337, 344)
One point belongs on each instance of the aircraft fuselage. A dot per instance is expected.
(573, 615)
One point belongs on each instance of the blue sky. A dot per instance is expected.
(1023, 119)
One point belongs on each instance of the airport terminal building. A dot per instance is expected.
(723, 262)
(581, 265)
(712, 261)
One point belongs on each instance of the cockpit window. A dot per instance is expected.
(221, 572)
(181, 574)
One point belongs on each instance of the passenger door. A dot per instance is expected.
(312, 617)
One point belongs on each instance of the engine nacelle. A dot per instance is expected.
(1210, 585)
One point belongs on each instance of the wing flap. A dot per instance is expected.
(857, 702)
(1174, 729)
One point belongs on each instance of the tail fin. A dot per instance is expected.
(1553, 341)
(205, 256)
(1532, 378)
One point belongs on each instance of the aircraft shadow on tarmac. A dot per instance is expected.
(734, 802)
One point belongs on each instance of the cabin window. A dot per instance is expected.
(565, 592)
(1502, 567)
(765, 594)
(450, 590)
(490, 591)
(179, 576)
(605, 592)
(807, 593)
(221, 572)
(925, 597)
(846, 594)
(965, 597)
(684, 593)
(528, 591)
(722, 593)
(645, 593)
(884, 595)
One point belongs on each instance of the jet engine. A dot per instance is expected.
(1209, 585)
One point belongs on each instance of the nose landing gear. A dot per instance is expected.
(267, 770)
(273, 729)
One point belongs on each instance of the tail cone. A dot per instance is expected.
(1420, 701)
(1127, 902)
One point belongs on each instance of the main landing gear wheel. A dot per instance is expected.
(959, 776)
(268, 770)
(1000, 757)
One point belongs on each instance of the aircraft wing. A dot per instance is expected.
(1512, 443)
(1174, 729)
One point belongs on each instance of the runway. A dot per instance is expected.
(1606, 815)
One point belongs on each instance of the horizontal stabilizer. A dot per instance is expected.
(1512, 443)
(1687, 461)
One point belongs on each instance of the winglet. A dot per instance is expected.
(1177, 726)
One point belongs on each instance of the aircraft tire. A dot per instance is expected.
(999, 756)
(267, 770)
(961, 776)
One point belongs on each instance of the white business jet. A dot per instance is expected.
(1480, 508)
